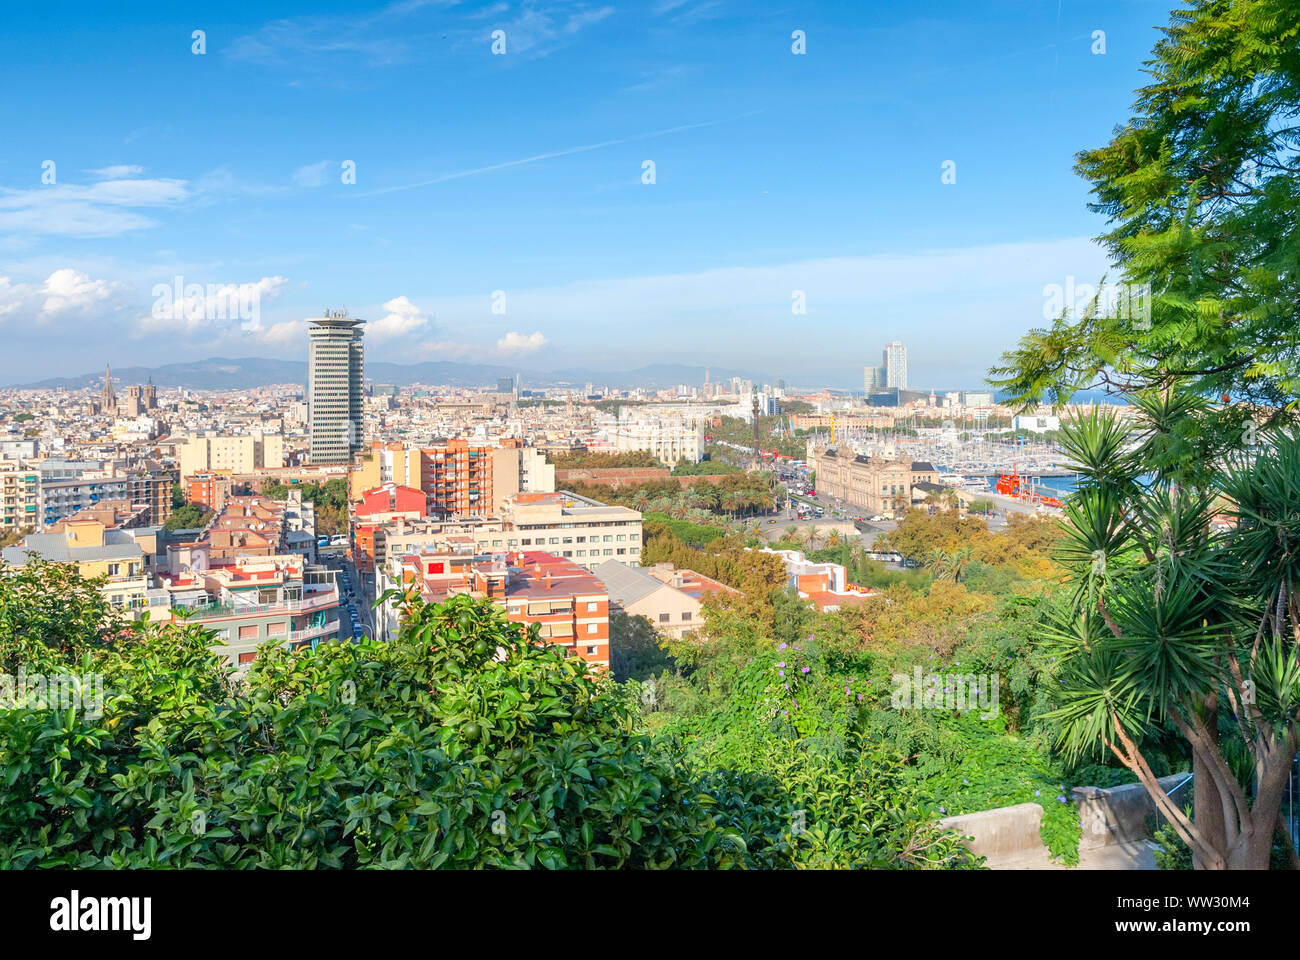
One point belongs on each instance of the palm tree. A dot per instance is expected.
(811, 537)
(833, 538)
(1173, 622)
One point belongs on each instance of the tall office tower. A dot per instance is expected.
(873, 380)
(334, 375)
(895, 366)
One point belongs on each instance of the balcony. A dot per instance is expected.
(215, 611)
(310, 633)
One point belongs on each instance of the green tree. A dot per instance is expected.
(191, 516)
(1175, 623)
(1201, 189)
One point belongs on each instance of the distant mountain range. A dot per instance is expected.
(223, 373)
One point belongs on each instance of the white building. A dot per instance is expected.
(334, 399)
(1036, 423)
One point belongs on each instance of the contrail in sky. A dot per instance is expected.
(460, 174)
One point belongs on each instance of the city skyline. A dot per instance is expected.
(554, 212)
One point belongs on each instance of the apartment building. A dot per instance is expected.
(371, 515)
(671, 599)
(232, 454)
(123, 557)
(247, 601)
(20, 495)
(826, 585)
(207, 488)
(458, 478)
(68, 487)
(567, 602)
(872, 484)
(574, 528)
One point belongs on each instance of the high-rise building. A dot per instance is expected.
(873, 380)
(334, 378)
(895, 366)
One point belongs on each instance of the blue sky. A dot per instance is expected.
(522, 173)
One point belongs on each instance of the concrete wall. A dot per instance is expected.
(1001, 833)
(1108, 817)
(1121, 814)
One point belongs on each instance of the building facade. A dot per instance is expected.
(334, 379)
(872, 484)
(895, 366)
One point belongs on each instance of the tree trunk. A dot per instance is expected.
(1207, 804)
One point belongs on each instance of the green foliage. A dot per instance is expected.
(692, 534)
(188, 517)
(590, 459)
(463, 743)
(1202, 192)
(709, 466)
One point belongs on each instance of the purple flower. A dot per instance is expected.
(943, 809)
(964, 780)
(781, 664)
(1061, 798)
(1038, 793)
(804, 669)
(783, 646)
(781, 672)
(795, 702)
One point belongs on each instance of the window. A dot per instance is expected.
(248, 633)
(622, 537)
(555, 539)
(114, 569)
(686, 614)
(526, 543)
(592, 607)
(609, 553)
(591, 651)
(568, 553)
(591, 627)
(582, 553)
(622, 550)
(665, 617)
(582, 539)
(608, 538)
(247, 657)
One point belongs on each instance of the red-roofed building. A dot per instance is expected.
(569, 604)
(377, 507)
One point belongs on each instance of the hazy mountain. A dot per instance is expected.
(223, 373)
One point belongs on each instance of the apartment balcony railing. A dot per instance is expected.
(214, 611)
(309, 633)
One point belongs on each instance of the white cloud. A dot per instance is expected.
(312, 175)
(118, 172)
(445, 350)
(65, 294)
(70, 290)
(100, 209)
(402, 318)
(517, 343)
(209, 308)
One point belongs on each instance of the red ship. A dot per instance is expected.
(1013, 485)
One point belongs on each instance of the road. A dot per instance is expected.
(354, 596)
